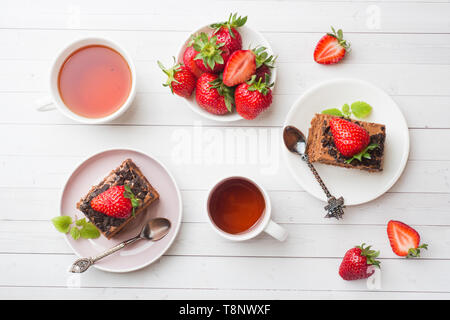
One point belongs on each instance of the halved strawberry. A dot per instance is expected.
(240, 67)
(349, 138)
(404, 240)
(331, 48)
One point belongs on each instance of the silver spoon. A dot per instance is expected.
(154, 230)
(295, 142)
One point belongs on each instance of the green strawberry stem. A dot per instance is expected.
(415, 252)
(339, 35)
(225, 91)
(370, 255)
(261, 86)
(134, 201)
(233, 22)
(363, 154)
(170, 72)
(263, 58)
(208, 50)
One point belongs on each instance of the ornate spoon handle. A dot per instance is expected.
(335, 206)
(82, 264)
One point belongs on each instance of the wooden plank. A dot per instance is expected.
(367, 48)
(163, 108)
(289, 207)
(226, 273)
(273, 16)
(198, 239)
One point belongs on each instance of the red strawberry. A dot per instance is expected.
(226, 32)
(264, 63)
(117, 202)
(189, 62)
(239, 68)
(252, 98)
(331, 48)
(356, 261)
(404, 240)
(180, 80)
(212, 55)
(212, 95)
(349, 138)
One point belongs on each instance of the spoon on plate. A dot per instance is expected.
(296, 143)
(153, 230)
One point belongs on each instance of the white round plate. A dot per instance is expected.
(250, 39)
(356, 186)
(142, 253)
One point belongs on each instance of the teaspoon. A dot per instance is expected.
(296, 143)
(154, 230)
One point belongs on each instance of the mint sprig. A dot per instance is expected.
(359, 109)
(81, 227)
(130, 195)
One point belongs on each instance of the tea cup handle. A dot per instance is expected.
(45, 104)
(276, 231)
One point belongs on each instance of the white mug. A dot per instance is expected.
(54, 101)
(265, 223)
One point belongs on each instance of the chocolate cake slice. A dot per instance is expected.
(321, 148)
(126, 174)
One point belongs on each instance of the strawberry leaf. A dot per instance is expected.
(363, 154)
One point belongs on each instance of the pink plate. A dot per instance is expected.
(141, 253)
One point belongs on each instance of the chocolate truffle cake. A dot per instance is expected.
(126, 174)
(321, 147)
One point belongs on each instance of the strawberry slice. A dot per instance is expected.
(240, 67)
(331, 48)
(404, 240)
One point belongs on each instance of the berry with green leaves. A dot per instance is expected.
(331, 48)
(253, 97)
(404, 240)
(356, 262)
(227, 33)
(212, 95)
(117, 201)
(180, 80)
(212, 55)
(264, 62)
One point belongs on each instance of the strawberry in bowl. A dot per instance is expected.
(217, 56)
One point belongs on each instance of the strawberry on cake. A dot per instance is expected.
(120, 197)
(346, 143)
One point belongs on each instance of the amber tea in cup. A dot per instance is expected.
(94, 81)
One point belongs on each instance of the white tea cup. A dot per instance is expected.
(264, 223)
(54, 100)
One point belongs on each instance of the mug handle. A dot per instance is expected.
(276, 231)
(45, 104)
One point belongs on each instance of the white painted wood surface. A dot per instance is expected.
(406, 52)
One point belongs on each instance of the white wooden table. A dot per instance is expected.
(400, 46)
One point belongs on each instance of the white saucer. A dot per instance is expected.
(356, 186)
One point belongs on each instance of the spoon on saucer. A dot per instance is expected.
(153, 230)
(296, 143)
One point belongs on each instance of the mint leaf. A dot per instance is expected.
(333, 112)
(89, 231)
(62, 223)
(361, 109)
(80, 222)
(75, 233)
(363, 154)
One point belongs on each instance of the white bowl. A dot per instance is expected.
(250, 39)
